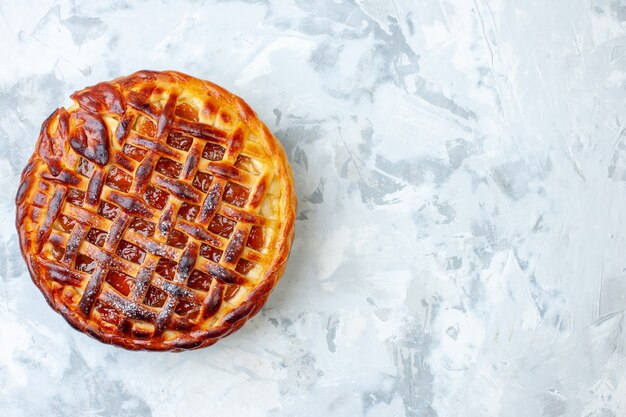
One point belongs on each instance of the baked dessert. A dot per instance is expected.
(157, 212)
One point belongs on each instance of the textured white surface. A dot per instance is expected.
(461, 236)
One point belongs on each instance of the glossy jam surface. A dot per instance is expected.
(148, 127)
(75, 197)
(66, 223)
(177, 239)
(255, 238)
(57, 252)
(166, 268)
(108, 210)
(130, 252)
(235, 194)
(210, 253)
(231, 290)
(188, 212)
(142, 226)
(120, 281)
(199, 280)
(213, 152)
(245, 163)
(84, 263)
(187, 111)
(179, 141)
(155, 197)
(168, 167)
(202, 181)
(155, 297)
(134, 152)
(96, 236)
(119, 180)
(244, 266)
(108, 314)
(221, 225)
(187, 309)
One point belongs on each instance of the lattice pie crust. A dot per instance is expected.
(157, 212)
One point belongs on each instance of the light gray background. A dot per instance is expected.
(461, 237)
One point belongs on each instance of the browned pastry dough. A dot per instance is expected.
(157, 212)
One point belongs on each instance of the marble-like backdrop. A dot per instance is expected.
(461, 238)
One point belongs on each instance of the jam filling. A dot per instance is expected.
(222, 226)
(141, 226)
(155, 197)
(130, 252)
(168, 167)
(244, 266)
(187, 309)
(210, 253)
(148, 127)
(255, 238)
(108, 314)
(96, 237)
(199, 280)
(136, 153)
(57, 252)
(119, 179)
(120, 281)
(202, 181)
(213, 152)
(155, 297)
(245, 163)
(66, 223)
(177, 239)
(85, 264)
(188, 212)
(108, 210)
(230, 292)
(166, 268)
(235, 194)
(187, 111)
(179, 141)
(75, 197)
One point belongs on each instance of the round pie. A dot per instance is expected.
(157, 212)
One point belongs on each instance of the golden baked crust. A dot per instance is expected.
(157, 212)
